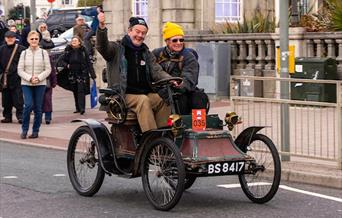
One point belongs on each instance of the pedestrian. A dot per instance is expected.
(81, 28)
(3, 30)
(34, 67)
(79, 68)
(25, 31)
(17, 32)
(51, 82)
(178, 61)
(45, 37)
(12, 95)
(131, 69)
(94, 25)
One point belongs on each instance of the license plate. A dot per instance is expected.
(225, 168)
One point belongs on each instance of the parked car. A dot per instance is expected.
(61, 20)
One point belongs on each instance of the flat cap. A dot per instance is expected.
(10, 34)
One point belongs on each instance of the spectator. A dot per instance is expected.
(18, 36)
(3, 30)
(12, 95)
(79, 68)
(45, 37)
(51, 82)
(34, 67)
(25, 31)
(178, 61)
(94, 25)
(11, 22)
(81, 28)
(131, 69)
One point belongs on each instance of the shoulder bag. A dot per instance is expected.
(3, 76)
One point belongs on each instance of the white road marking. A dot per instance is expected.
(310, 193)
(288, 189)
(10, 177)
(59, 175)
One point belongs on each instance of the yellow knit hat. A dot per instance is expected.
(171, 30)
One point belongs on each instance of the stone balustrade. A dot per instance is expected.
(257, 50)
(249, 51)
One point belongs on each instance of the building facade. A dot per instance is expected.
(191, 14)
(43, 6)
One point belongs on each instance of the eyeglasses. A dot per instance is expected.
(43, 27)
(177, 40)
(34, 39)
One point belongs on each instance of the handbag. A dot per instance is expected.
(44, 44)
(93, 95)
(3, 76)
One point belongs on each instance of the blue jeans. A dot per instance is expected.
(33, 97)
(48, 116)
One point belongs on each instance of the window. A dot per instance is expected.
(227, 10)
(67, 2)
(140, 8)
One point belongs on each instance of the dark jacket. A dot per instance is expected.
(114, 54)
(3, 30)
(24, 34)
(13, 79)
(184, 64)
(76, 59)
(79, 62)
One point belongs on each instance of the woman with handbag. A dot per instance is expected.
(34, 67)
(79, 68)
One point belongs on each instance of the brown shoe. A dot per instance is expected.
(34, 135)
(23, 135)
(6, 120)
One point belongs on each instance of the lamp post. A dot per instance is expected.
(284, 73)
(33, 12)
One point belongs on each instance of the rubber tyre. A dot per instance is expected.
(248, 188)
(189, 181)
(84, 163)
(162, 159)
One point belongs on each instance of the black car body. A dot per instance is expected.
(60, 20)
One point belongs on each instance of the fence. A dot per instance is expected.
(315, 128)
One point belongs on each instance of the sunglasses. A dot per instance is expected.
(34, 39)
(177, 40)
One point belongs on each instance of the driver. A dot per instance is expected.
(131, 69)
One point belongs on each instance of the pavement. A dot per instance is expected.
(57, 134)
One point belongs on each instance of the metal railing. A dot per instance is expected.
(315, 127)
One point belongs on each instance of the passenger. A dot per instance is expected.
(12, 95)
(34, 67)
(178, 61)
(131, 69)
